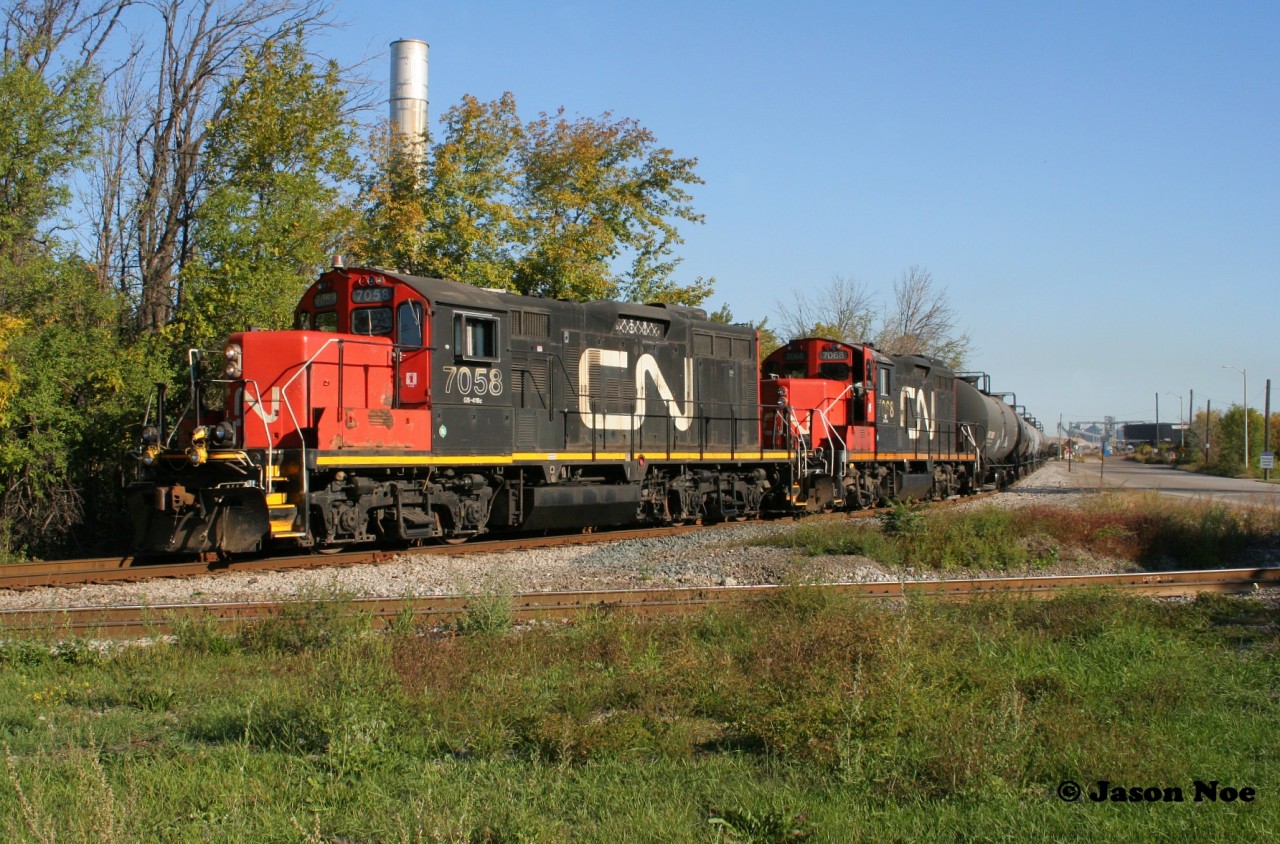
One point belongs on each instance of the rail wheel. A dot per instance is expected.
(442, 538)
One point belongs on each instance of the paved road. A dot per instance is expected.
(1120, 473)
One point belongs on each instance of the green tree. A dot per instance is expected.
(70, 389)
(579, 209)
(277, 161)
(452, 214)
(58, 337)
(1228, 442)
(45, 131)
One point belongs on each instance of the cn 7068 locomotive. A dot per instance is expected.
(402, 408)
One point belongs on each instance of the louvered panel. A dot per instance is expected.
(526, 431)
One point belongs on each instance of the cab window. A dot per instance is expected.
(409, 325)
(475, 336)
(834, 371)
(326, 321)
(371, 321)
(773, 369)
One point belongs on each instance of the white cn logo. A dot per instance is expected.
(918, 412)
(646, 371)
(268, 411)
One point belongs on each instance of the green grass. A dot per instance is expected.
(1143, 529)
(806, 717)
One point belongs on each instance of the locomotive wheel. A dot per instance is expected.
(446, 540)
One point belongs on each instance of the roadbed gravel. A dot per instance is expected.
(717, 557)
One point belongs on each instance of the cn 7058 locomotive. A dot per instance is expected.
(402, 408)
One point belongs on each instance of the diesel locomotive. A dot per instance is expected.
(404, 409)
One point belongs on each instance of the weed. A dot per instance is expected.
(487, 614)
(903, 519)
(315, 623)
(25, 652)
(768, 827)
(199, 634)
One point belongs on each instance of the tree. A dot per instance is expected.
(552, 207)
(276, 161)
(451, 215)
(44, 134)
(922, 321)
(200, 48)
(73, 387)
(595, 190)
(844, 310)
(1227, 452)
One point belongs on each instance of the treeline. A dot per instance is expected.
(174, 171)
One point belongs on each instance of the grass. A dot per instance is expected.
(807, 717)
(1143, 529)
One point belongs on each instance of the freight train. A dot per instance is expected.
(404, 409)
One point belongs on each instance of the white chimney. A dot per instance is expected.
(409, 89)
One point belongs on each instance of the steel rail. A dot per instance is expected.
(129, 568)
(136, 621)
(126, 569)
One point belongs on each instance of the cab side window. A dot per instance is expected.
(475, 336)
(409, 325)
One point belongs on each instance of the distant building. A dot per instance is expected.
(1136, 433)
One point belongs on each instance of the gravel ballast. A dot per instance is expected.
(705, 558)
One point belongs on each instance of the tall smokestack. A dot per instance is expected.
(409, 90)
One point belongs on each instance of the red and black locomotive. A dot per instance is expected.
(403, 408)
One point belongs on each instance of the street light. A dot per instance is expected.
(1246, 411)
(1180, 426)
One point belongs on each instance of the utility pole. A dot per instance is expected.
(1191, 412)
(1266, 430)
(1245, 374)
(1208, 427)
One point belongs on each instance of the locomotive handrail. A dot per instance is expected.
(302, 440)
(822, 414)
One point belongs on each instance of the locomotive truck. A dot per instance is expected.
(404, 409)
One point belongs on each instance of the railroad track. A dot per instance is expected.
(131, 569)
(137, 621)
(128, 568)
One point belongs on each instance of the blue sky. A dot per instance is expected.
(1096, 185)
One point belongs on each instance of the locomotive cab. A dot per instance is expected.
(829, 390)
(819, 400)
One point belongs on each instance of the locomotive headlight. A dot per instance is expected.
(223, 434)
(199, 451)
(150, 445)
(234, 357)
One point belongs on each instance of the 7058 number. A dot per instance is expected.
(473, 381)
